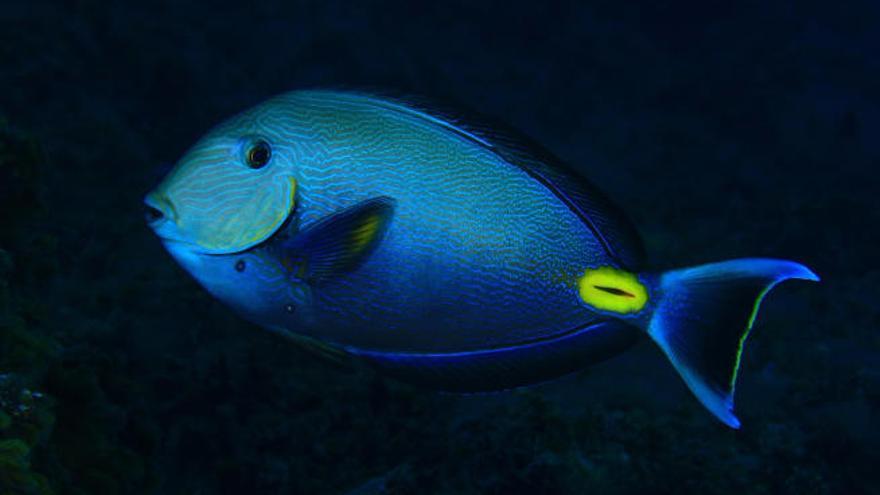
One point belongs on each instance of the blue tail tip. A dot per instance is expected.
(811, 275)
(790, 269)
(801, 271)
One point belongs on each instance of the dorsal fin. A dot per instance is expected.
(608, 223)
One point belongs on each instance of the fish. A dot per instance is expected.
(440, 248)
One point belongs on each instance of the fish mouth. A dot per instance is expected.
(158, 209)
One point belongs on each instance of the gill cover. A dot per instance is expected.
(219, 204)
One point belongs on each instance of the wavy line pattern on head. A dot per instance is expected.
(222, 205)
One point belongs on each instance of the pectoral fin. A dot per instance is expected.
(339, 243)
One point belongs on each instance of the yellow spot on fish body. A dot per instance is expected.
(609, 289)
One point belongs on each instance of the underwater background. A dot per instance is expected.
(724, 129)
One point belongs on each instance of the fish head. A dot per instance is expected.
(219, 207)
(231, 191)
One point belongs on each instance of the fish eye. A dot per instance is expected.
(259, 154)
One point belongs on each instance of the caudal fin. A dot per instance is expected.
(703, 316)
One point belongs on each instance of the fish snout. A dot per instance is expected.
(157, 209)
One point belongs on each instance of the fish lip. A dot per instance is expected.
(161, 203)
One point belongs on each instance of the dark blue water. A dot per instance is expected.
(725, 129)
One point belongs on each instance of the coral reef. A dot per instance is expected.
(56, 421)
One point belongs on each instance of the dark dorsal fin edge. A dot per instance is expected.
(606, 221)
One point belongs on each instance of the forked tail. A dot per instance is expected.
(703, 316)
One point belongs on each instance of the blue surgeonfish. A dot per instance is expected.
(439, 249)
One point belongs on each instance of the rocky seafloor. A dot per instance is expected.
(725, 130)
